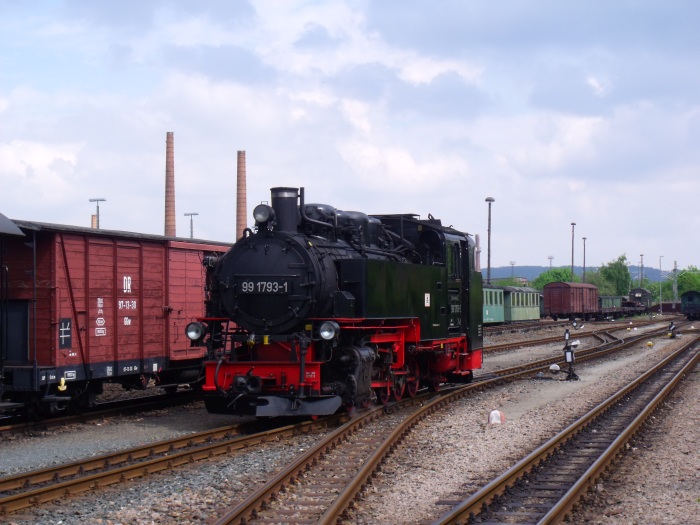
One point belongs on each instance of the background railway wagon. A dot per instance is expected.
(82, 306)
(493, 304)
(570, 300)
(690, 304)
(640, 297)
(610, 305)
(521, 304)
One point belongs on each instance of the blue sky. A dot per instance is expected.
(562, 111)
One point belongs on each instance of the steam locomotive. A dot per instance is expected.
(317, 309)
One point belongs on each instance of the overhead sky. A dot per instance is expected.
(562, 111)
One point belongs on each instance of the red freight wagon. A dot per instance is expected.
(82, 306)
(570, 300)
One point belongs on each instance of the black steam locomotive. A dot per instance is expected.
(318, 309)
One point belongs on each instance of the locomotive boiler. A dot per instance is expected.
(316, 309)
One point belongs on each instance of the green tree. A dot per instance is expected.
(688, 279)
(604, 286)
(506, 281)
(554, 275)
(618, 275)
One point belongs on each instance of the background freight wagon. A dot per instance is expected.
(85, 306)
(570, 300)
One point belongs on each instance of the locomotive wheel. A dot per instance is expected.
(413, 379)
(433, 385)
(398, 390)
(382, 395)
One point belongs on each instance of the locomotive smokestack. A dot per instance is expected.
(284, 202)
(241, 204)
(169, 186)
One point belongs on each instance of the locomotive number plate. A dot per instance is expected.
(272, 286)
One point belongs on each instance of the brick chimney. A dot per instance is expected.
(241, 205)
(169, 186)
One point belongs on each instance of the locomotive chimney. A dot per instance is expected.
(284, 202)
(241, 204)
(169, 186)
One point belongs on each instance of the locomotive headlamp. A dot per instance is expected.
(329, 330)
(262, 213)
(194, 331)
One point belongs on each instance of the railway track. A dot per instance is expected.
(545, 486)
(321, 485)
(536, 326)
(602, 334)
(41, 486)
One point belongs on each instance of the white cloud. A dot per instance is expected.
(599, 86)
(538, 144)
(80, 121)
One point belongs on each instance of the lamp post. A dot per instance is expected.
(512, 270)
(190, 215)
(573, 225)
(661, 282)
(488, 254)
(550, 261)
(584, 259)
(97, 215)
(641, 270)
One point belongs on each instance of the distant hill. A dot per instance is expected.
(532, 272)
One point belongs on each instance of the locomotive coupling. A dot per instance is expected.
(248, 384)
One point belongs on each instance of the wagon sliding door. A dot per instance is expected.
(140, 315)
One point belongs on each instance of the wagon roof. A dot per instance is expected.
(49, 227)
(523, 289)
(569, 285)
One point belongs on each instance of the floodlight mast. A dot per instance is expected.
(97, 215)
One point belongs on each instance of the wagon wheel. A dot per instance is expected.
(413, 379)
(382, 395)
(36, 411)
(81, 403)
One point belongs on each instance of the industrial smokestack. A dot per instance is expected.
(169, 186)
(241, 204)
